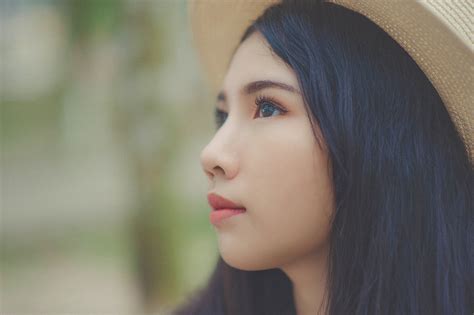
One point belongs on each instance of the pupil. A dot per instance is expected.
(264, 107)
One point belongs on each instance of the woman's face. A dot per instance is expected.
(268, 161)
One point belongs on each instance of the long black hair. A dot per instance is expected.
(402, 230)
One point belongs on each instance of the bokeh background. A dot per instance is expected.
(104, 112)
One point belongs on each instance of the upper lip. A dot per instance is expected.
(219, 202)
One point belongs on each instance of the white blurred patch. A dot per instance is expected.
(33, 43)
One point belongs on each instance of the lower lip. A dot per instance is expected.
(216, 216)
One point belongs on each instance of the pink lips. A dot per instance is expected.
(218, 215)
(222, 208)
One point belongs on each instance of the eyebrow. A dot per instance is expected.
(256, 86)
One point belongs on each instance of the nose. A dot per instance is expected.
(219, 156)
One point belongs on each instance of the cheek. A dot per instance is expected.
(290, 193)
(295, 199)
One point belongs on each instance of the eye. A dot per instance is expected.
(266, 105)
(263, 104)
(219, 117)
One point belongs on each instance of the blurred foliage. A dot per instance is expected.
(90, 17)
(100, 154)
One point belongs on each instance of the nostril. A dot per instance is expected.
(218, 169)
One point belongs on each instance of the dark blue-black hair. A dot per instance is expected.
(402, 235)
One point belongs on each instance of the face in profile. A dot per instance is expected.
(265, 158)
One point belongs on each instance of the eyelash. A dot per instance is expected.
(259, 101)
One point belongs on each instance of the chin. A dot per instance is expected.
(245, 261)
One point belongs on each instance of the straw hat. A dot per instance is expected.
(438, 35)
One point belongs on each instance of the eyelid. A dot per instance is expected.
(260, 99)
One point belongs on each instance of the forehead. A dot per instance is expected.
(254, 60)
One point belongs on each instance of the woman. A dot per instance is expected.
(354, 181)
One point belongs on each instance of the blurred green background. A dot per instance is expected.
(104, 113)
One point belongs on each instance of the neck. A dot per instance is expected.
(308, 276)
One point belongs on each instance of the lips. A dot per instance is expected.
(218, 202)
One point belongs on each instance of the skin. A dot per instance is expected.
(273, 167)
